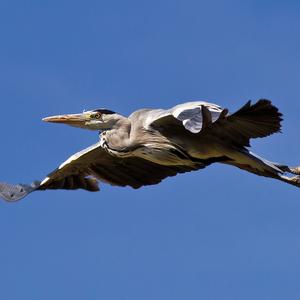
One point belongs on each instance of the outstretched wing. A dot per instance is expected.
(86, 168)
(251, 121)
(193, 115)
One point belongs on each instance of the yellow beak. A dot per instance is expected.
(67, 119)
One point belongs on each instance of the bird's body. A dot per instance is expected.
(152, 144)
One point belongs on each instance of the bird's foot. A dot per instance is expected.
(287, 169)
(295, 170)
(295, 180)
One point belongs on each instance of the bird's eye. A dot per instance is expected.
(96, 116)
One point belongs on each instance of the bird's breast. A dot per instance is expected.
(164, 156)
(161, 153)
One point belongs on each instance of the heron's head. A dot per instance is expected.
(98, 119)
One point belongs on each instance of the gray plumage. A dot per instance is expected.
(152, 144)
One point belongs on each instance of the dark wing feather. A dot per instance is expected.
(83, 170)
(251, 121)
(86, 168)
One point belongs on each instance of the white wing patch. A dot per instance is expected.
(45, 180)
(79, 154)
(69, 160)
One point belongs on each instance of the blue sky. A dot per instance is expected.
(216, 234)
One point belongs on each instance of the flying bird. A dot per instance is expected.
(152, 144)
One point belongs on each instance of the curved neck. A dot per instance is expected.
(117, 136)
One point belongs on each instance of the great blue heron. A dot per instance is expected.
(152, 144)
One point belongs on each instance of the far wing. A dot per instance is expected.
(86, 168)
(251, 121)
(194, 116)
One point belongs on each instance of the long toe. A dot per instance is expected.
(295, 170)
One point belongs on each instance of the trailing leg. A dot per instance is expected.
(253, 163)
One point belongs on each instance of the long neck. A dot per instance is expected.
(118, 136)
